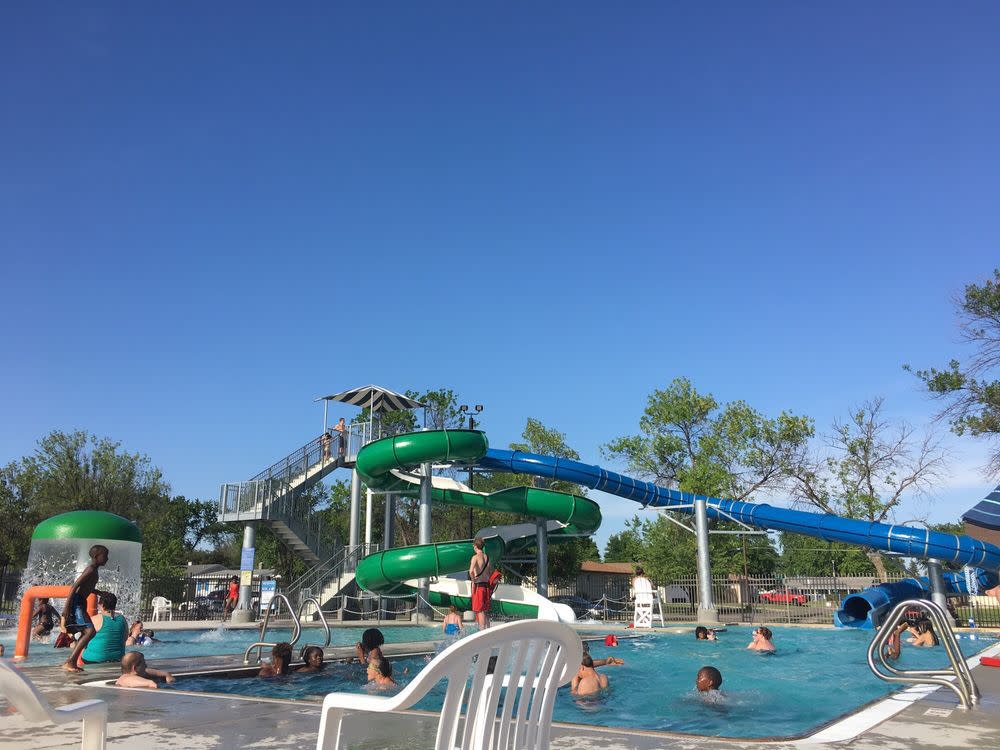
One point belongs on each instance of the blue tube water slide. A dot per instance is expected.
(858, 610)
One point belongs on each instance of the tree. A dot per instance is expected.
(690, 442)
(872, 464)
(807, 555)
(973, 390)
(78, 471)
(565, 556)
(628, 545)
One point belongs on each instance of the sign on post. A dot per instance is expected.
(268, 589)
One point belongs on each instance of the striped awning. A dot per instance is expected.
(986, 513)
(375, 397)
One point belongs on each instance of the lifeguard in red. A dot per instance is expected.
(479, 574)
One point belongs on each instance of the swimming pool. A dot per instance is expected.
(816, 676)
(179, 644)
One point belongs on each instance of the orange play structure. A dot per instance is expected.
(28, 609)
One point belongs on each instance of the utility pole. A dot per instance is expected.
(463, 410)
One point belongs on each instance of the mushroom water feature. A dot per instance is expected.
(60, 550)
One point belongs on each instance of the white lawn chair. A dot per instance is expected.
(162, 604)
(24, 696)
(535, 655)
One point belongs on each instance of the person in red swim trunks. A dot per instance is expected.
(479, 574)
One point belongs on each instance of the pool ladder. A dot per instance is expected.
(296, 625)
(963, 685)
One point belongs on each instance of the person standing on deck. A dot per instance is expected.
(479, 575)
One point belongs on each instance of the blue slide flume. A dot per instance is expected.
(859, 610)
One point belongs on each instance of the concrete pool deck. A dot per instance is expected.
(144, 719)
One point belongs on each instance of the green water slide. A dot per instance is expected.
(379, 464)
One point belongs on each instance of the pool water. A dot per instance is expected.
(816, 676)
(179, 644)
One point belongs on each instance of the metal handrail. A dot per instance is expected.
(318, 572)
(263, 629)
(963, 685)
(322, 618)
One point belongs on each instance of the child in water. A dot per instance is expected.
(281, 660)
(708, 679)
(762, 640)
(313, 658)
(702, 633)
(924, 635)
(382, 674)
(136, 674)
(588, 681)
(369, 650)
(452, 621)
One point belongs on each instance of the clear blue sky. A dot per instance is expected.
(213, 213)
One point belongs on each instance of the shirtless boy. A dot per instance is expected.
(75, 611)
(588, 681)
(136, 674)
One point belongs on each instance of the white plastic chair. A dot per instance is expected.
(535, 655)
(24, 696)
(162, 604)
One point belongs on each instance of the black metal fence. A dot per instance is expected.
(743, 599)
(754, 599)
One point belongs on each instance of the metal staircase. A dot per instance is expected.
(274, 497)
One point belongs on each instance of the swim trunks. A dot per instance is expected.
(78, 609)
(451, 629)
(481, 597)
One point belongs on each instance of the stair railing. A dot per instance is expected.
(963, 684)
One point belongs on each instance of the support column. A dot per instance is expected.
(368, 519)
(707, 613)
(542, 542)
(389, 531)
(355, 520)
(424, 537)
(938, 595)
(243, 611)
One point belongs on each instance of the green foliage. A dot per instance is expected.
(687, 440)
(667, 551)
(77, 471)
(973, 390)
(806, 555)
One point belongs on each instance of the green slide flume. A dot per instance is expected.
(384, 572)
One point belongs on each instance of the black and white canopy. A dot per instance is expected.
(375, 398)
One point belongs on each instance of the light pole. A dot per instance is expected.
(464, 411)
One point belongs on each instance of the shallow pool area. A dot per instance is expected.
(179, 644)
(816, 676)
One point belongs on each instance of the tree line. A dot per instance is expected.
(862, 467)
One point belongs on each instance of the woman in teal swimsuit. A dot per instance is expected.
(108, 643)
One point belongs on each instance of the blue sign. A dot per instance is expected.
(267, 591)
(246, 558)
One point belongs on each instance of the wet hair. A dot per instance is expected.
(282, 651)
(713, 675)
(131, 661)
(638, 570)
(109, 601)
(371, 639)
(478, 542)
(587, 660)
(97, 549)
(308, 650)
(766, 632)
(43, 600)
(149, 633)
(701, 633)
(384, 667)
(235, 578)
